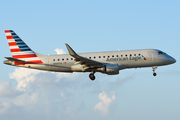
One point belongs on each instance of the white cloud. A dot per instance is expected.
(57, 95)
(103, 105)
(39, 90)
(23, 76)
(9, 109)
(4, 108)
(25, 98)
(6, 89)
(60, 51)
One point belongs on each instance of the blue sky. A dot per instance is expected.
(91, 26)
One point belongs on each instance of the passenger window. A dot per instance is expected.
(67, 59)
(71, 58)
(134, 54)
(89, 57)
(63, 59)
(108, 56)
(117, 56)
(58, 59)
(121, 55)
(126, 55)
(94, 57)
(112, 55)
(53, 59)
(99, 56)
(139, 54)
(103, 56)
(130, 54)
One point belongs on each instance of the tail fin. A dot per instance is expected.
(19, 49)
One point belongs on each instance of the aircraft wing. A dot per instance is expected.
(16, 60)
(83, 60)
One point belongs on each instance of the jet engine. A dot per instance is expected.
(110, 69)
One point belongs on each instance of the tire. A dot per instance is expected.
(91, 76)
(154, 74)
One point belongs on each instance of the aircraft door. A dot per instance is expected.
(150, 55)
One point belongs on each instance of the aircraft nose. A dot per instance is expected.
(172, 60)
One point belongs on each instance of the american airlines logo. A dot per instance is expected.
(143, 57)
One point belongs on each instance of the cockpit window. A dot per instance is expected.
(161, 53)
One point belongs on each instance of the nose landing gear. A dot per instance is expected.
(154, 68)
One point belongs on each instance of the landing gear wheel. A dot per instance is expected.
(91, 76)
(154, 68)
(154, 74)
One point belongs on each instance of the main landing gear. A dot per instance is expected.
(91, 76)
(154, 68)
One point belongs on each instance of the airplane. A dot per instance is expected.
(109, 63)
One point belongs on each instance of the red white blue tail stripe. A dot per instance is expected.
(19, 49)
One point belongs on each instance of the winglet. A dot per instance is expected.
(71, 51)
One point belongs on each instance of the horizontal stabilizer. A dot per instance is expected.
(16, 60)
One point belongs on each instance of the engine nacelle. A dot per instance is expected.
(110, 69)
(77, 68)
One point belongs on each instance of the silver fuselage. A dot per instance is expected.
(125, 59)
